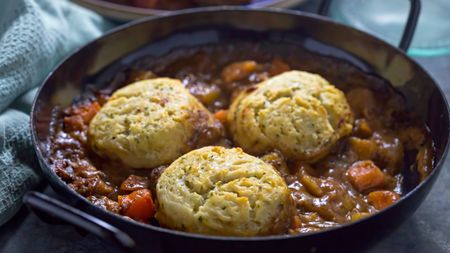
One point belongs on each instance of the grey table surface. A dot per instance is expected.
(428, 230)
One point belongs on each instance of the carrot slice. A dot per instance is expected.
(138, 205)
(364, 175)
(382, 199)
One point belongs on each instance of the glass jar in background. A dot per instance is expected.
(387, 19)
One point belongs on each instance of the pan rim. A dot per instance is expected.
(53, 177)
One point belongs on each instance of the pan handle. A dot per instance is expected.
(410, 27)
(45, 207)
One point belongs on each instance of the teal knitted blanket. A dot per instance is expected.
(34, 36)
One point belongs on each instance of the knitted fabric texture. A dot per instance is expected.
(34, 36)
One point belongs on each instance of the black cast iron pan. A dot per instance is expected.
(157, 36)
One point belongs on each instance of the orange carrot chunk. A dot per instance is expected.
(239, 70)
(88, 112)
(222, 116)
(382, 199)
(364, 175)
(138, 205)
(364, 149)
(73, 123)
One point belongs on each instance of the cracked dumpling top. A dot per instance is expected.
(150, 123)
(299, 113)
(220, 191)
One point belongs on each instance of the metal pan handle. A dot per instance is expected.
(45, 207)
(410, 27)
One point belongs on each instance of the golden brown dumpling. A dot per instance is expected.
(150, 123)
(220, 191)
(296, 112)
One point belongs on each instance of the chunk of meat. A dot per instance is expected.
(363, 103)
(85, 169)
(74, 123)
(91, 186)
(138, 205)
(364, 175)
(382, 199)
(239, 70)
(105, 203)
(412, 137)
(133, 183)
(390, 152)
(362, 128)
(276, 159)
(278, 66)
(64, 171)
(79, 116)
(154, 176)
(205, 92)
(205, 132)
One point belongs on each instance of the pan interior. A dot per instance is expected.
(97, 65)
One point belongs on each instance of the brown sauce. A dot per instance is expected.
(362, 175)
